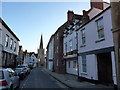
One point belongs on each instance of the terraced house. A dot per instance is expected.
(10, 44)
(70, 43)
(95, 45)
(89, 49)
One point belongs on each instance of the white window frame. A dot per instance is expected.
(83, 37)
(75, 64)
(57, 49)
(15, 45)
(57, 36)
(100, 28)
(11, 43)
(71, 44)
(84, 64)
(7, 40)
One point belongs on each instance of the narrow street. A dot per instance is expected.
(40, 79)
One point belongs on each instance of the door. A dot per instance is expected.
(104, 68)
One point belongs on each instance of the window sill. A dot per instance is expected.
(99, 40)
(84, 73)
(82, 46)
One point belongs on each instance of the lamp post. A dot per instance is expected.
(115, 11)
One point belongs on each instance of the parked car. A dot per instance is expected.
(20, 72)
(8, 79)
(30, 65)
(25, 69)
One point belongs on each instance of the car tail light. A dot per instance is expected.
(3, 83)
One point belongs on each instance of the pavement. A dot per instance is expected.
(71, 81)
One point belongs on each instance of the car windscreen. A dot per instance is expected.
(18, 70)
(1, 75)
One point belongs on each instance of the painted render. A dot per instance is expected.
(92, 43)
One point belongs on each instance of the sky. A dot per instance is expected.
(28, 20)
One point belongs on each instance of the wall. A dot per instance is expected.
(91, 34)
(91, 67)
(71, 70)
(7, 49)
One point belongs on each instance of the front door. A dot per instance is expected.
(104, 67)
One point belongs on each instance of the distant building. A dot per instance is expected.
(41, 55)
(70, 43)
(30, 57)
(9, 44)
(50, 53)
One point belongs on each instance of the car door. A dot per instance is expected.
(13, 78)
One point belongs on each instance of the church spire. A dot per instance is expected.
(41, 43)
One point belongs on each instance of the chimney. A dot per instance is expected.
(70, 15)
(85, 17)
(96, 4)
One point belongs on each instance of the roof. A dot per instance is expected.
(50, 40)
(6, 26)
(94, 17)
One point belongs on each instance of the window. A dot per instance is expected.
(14, 46)
(57, 49)
(57, 35)
(6, 40)
(68, 64)
(75, 64)
(57, 62)
(83, 37)
(71, 45)
(84, 67)
(100, 28)
(66, 47)
(11, 43)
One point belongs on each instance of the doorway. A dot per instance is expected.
(104, 67)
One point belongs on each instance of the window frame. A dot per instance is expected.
(83, 37)
(15, 45)
(11, 43)
(7, 41)
(84, 64)
(75, 64)
(100, 28)
(71, 45)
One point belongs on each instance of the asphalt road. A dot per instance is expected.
(40, 79)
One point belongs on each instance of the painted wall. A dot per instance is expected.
(91, 67)
(7, 49)
(67, 39)
(50, 65)
(92, 37)
(51, 53)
